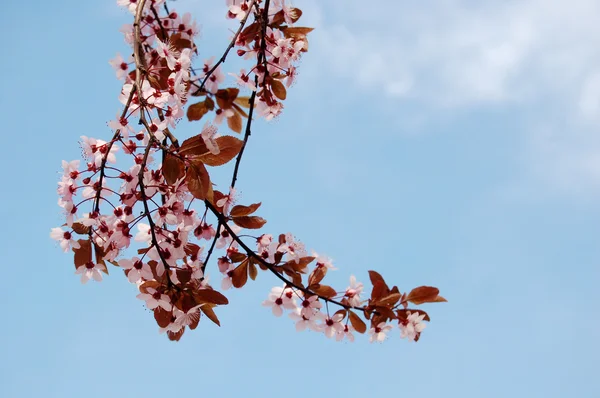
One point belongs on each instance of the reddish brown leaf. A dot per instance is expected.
(252, 271)
(423, 294)
(239, 210)
(322, 290)
(180, 43)
(83, 255)
(379, 290)
(177, 335)
(210, 314)
(163, 317)
(173, 168)
(390, 300)
(243, 101)
(249, 33)
(226, 96)
(198, 180)
(357, 323)
(239, 276)
(249, 222)
(375, 276)
(278, 89)
(184, 276)
(196, 111)
(237, 257)
(210, 296)
(235, 122)
(317, 275)
(300, 265)
(439, 299)
(291, 31)
(149, 285)
(80, 229)
(193, 146)
(229, 147)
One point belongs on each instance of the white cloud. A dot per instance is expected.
(455, 53)
(540, 57)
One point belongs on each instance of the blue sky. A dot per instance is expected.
(452, 144)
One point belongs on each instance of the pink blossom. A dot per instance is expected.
(89, 271)
(64, 238)
(209, 135)
(353, 291)
(412, 326)
(155, 299)
(303, 322)
(138, 270)
(378, 333)
(279, 298)
(332, 325)
(120, 66)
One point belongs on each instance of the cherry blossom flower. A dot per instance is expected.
(412, 326)
(227, 201)
(353, 291)
(243, 80)
(167, 52)
(138, 270)
(378, 333)
(89, 271)
(332, 325)
(221, 114)
(303, 322)
(97, 149)
(238, 11)
(120, 66)
(227, 281)
(225, 238)
(64, 238)
(310, 306)
(130, 4)
(216, 77)
(323, 261)
(280, 298)
(204, 231)
(347, 333)
(155, 299)
(209, 135)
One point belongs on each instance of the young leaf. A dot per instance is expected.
(249, 222)
(196, 111)
(173, 168)
(389, 300)
(210, 314)
(243, 101)
(252, 271)
(193, 146)
(162, 317)
(357, 323)
(210, 296)
(198, 180)
(235, 122)
(239, 210)
(229, 147)
(278, 89)
(83, 255)
(323, 290)
(239, 276)
(423, 294)
(317, 275)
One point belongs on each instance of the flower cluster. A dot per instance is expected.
(145, 203)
